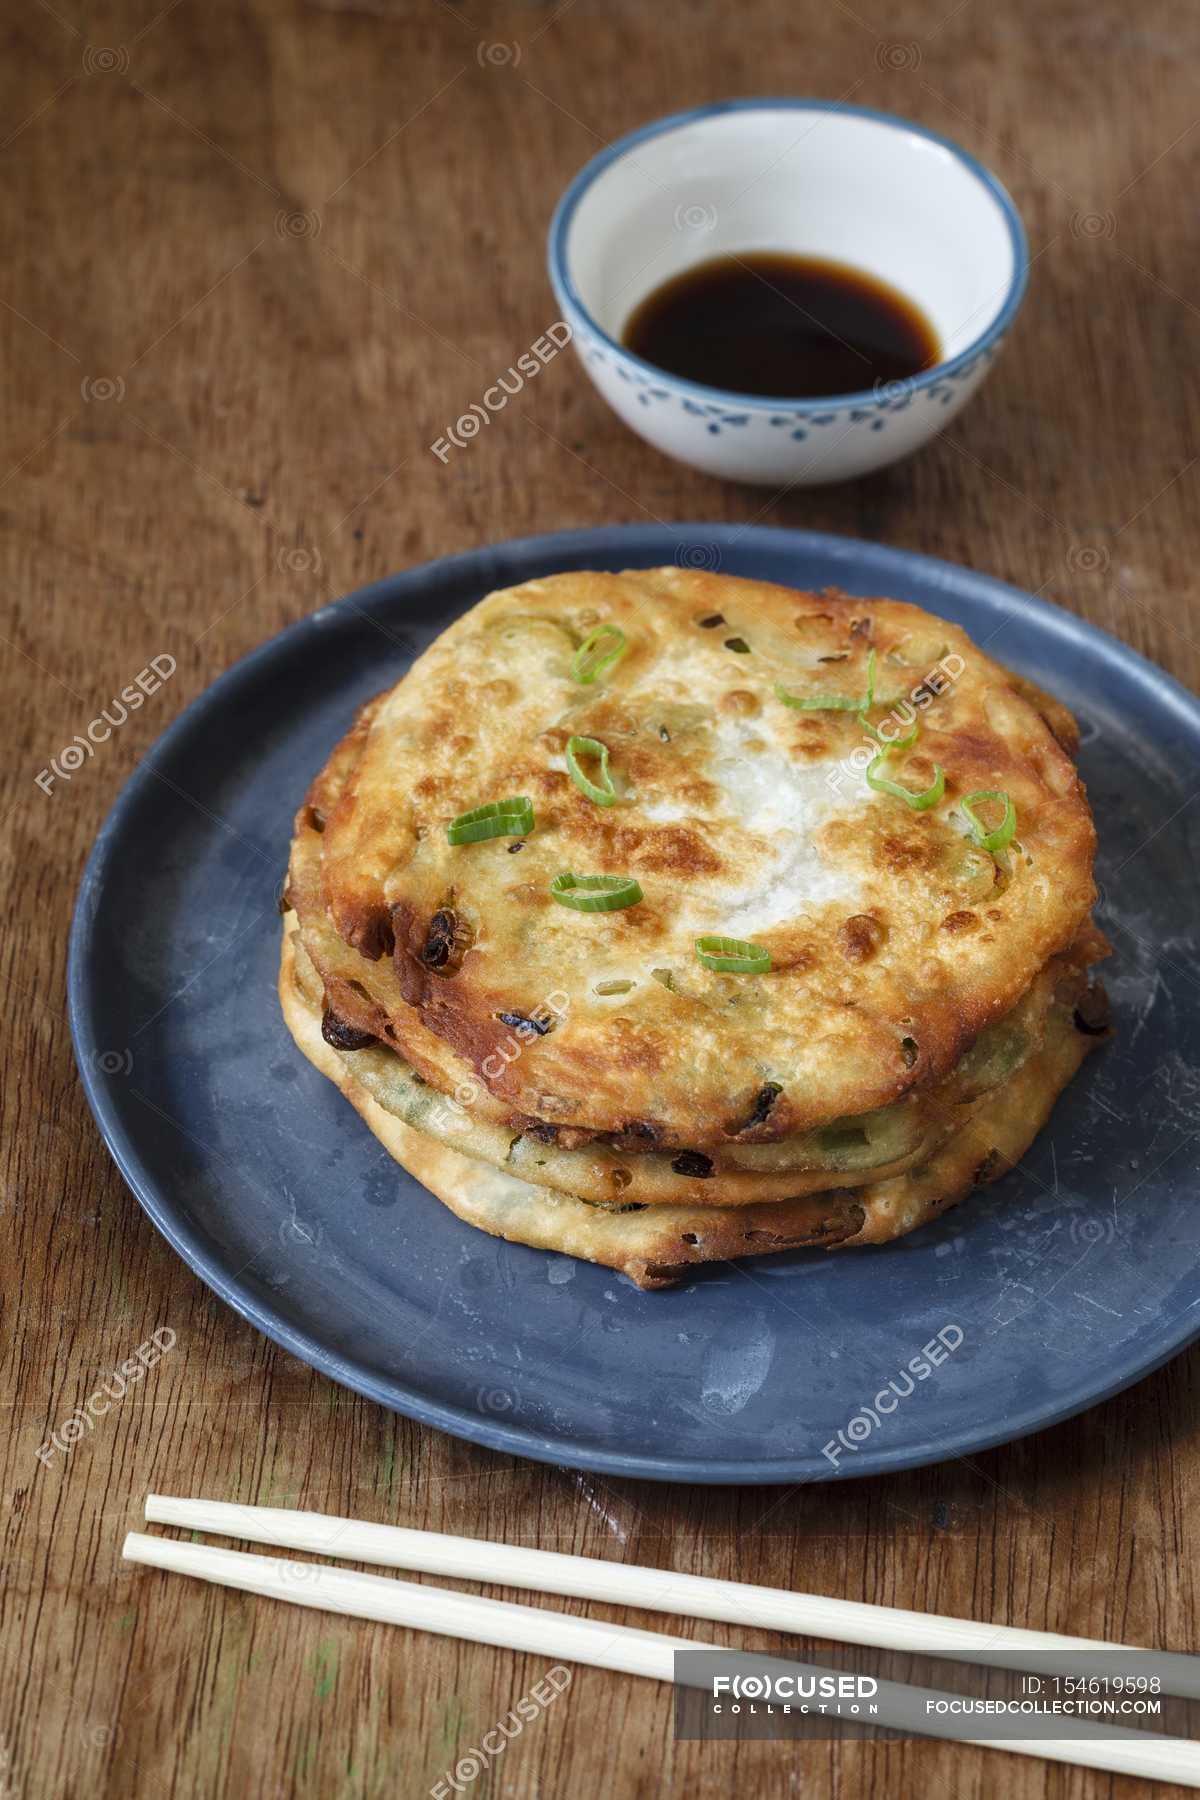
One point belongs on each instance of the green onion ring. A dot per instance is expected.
(733, 956)
(920, 802)
(499, 818)
(1002, 836)
(899, 743)
(595, 893)
(602, 792)
(585, 672)
(833, 702)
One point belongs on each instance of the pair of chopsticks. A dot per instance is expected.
(620, 1647)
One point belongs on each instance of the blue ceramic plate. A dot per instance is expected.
(1064, 1282)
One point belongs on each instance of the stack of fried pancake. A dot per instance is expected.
(841, 971)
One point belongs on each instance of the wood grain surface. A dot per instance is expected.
(257, 257)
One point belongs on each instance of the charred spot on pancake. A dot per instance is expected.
(439, 940)
(958, 923)
(910, 1050)
(519, 845)
(371, 934)
(664, 734)
(860, 936)
(694, 1163)
(711, 621)
(764, 1100)
(545, 1134)
(521, 1021)
(989, 1168)
(860, 628)
(1091, 1012)
(340, 1035)
(446, 942)
(634, 1136)
(738, 645)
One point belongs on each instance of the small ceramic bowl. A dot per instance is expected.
(811, 177)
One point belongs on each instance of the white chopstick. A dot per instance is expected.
(636, 1584)
(620, 1647)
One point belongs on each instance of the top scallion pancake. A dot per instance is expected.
(894, 938)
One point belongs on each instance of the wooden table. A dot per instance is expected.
(267, 254)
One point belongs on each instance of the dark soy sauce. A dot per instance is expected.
(792, 326)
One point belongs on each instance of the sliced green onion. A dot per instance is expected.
(499, 818)
(899, 743)
(613, 640)
(1003, 835)
(919, 802)
(595, 893)
(833, 702)
(733, 956)
(602, 792)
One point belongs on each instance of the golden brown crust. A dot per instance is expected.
(629, 1167)
(1059, 718)
(656, 1246)
(894, 944)
(602, 1173)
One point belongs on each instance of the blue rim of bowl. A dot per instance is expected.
(569, 299)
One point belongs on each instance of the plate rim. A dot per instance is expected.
(395, 1394)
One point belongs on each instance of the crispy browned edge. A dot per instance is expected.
(405, 1029)
(666, 1241)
